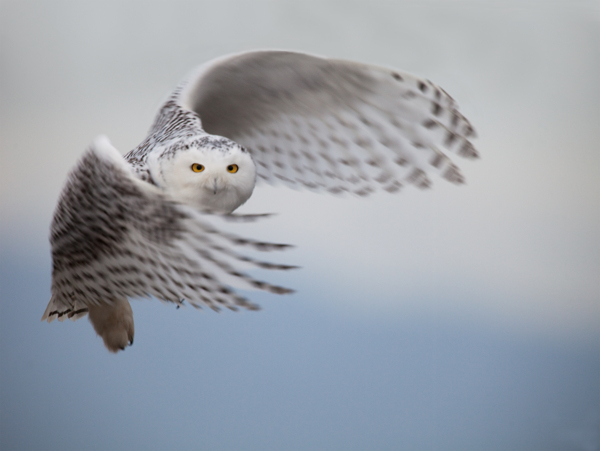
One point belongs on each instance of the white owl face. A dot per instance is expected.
(213, 174)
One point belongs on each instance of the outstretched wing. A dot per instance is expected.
(114, 235)
(330, 124)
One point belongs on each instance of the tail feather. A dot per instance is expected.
(56, 310)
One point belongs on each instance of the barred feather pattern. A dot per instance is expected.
(307, 122)
(331, 125)
(114, 236)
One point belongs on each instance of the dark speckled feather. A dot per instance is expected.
(329, 125)
(335, 126)
(116, 236)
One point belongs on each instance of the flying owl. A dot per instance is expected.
(147, 224)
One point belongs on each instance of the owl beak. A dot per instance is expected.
(215, 187)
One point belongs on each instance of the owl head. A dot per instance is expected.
(210, 173)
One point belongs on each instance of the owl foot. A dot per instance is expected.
(114, 323)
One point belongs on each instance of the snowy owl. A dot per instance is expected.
(146, 224)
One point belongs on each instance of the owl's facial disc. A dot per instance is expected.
(218, 175)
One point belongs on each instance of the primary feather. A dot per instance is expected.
(144, 225)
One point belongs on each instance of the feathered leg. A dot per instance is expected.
(114, 323)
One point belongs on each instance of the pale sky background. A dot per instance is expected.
(457, 318)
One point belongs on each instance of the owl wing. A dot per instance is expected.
(114, 235)
(328, 124)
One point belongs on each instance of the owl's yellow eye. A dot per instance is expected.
(233, 168)
(197, 167)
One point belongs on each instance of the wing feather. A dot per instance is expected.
(114, 235)
(330, 125)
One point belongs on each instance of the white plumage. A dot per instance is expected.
(146, 224)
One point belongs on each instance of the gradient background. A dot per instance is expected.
(458, 318)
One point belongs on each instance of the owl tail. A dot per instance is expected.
(114, 323)
(61, 310)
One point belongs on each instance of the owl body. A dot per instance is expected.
(147, 224)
